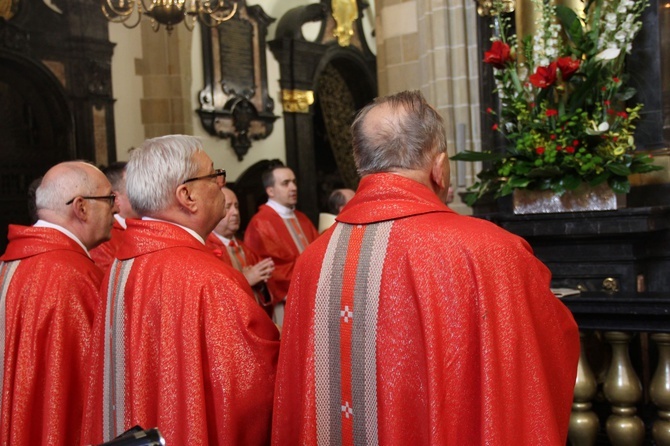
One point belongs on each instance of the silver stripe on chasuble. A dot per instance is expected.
(7, 270)
(328, 371)
(113, 402)
(297, 237)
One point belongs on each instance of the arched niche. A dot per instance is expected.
(36, 130)
(324, 82)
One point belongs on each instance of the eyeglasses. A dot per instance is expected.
(217, 173)
(110, 199)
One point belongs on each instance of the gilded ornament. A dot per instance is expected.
(345, 12)
(8, 8)
(297, 101)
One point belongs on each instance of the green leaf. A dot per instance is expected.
(548, 171)
(625, 94)
(571, 182)
(619, 169)
(470, 198)
(619, 185)
(518, 182)
(571, 23)
(599, 179)
(469, 155)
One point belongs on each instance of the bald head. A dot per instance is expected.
(65, 181)
(398, 132)
(80, 184)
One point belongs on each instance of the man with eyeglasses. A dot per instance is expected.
(48, 295)
(178, 343)
(103, 254)
(279, 231)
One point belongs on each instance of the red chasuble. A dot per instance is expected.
(269, 236)
(103, 254)
(179, 344)
(48, 293)
(243, 257)
(408, 324)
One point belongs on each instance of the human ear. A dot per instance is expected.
(80, 208)
(270, 191)
(185, 199)
(439, 173)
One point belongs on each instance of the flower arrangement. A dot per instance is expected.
(563, 100)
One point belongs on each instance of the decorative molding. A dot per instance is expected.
(297, 101)
(235, 102)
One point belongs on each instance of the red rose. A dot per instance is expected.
(570, 149)
(622, 114)
(498, 55)
(615, 79)
(552, 137)
(544, 76)
(494, 127)
(539, 150)
(551, 112)
(568, 66)
(489, 110)
(575, 142)
(559, 148)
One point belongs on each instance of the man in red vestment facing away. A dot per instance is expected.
(103, 254)
(279, 231)
(178, 343)
(225, 245)
(409, 324)
(48, 296)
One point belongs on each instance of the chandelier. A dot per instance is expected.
(169, 12)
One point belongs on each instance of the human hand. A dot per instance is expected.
(261, 271)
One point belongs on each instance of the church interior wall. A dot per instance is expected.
(156, 89)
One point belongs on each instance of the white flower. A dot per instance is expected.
(608, 54)
(621, 36)
(603, 127)
(610, 17)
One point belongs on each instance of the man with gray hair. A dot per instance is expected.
(179, 343)
(48, 295)
(407, 323)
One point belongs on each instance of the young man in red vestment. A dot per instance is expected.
(279, 231)
(103, 254)
(178, 342)
(48, 296)
(407, 323)
(234, 252)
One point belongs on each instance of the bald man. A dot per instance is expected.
(48, 294)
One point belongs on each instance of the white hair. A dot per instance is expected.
(157, 168)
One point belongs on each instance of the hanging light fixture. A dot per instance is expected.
(169, 12)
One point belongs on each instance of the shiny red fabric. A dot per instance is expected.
(103, 254)
(471, 345)
(219, 249)
(200, 354)
(268, 236)
(50, 305)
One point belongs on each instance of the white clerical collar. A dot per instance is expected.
(121, 220)
(189, 230)
(46, 224)
(222, 238)
(283, 211)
